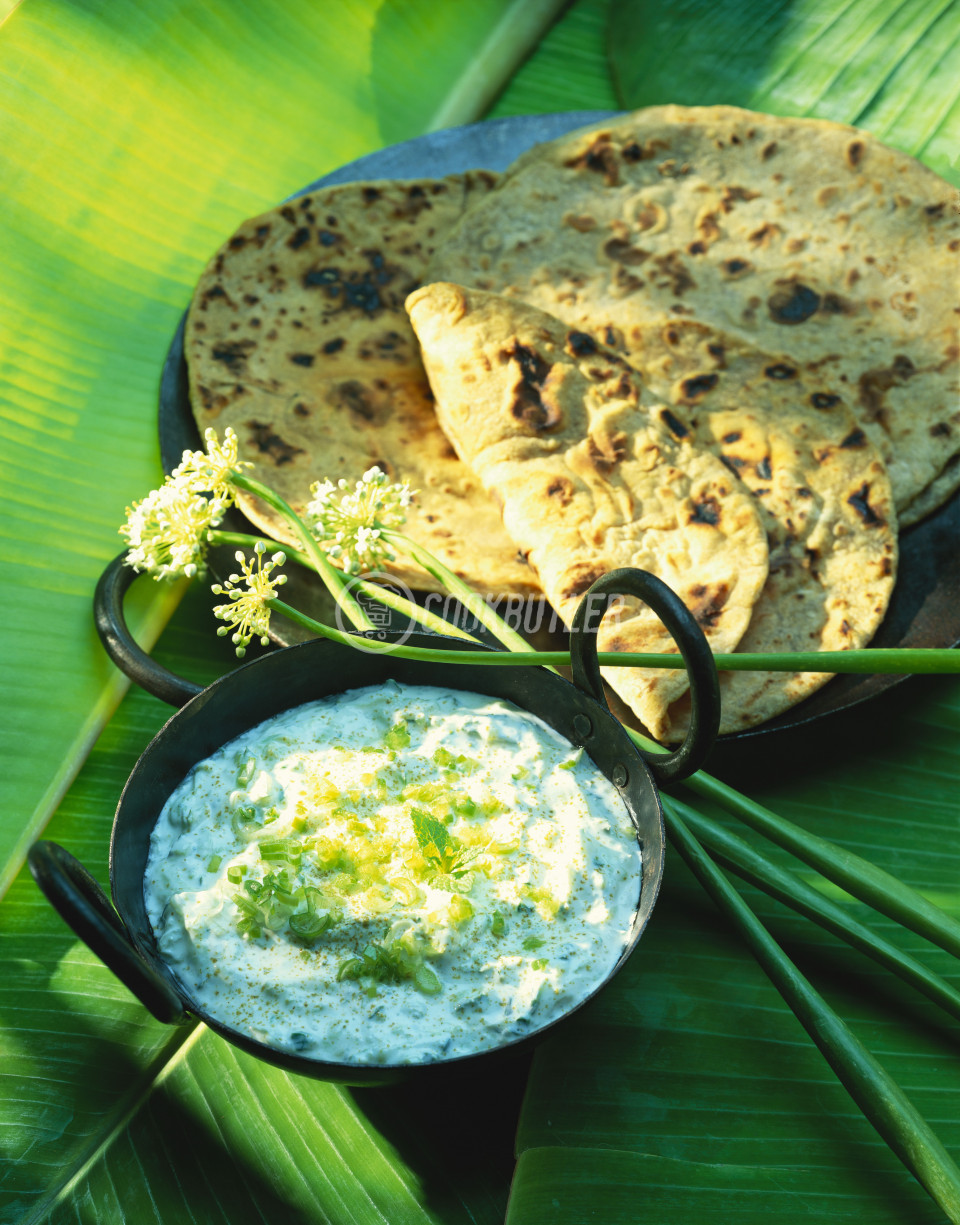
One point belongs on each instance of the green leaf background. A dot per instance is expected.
(132, 139)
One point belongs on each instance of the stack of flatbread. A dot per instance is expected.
(718, 345)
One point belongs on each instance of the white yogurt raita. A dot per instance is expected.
(395, 875)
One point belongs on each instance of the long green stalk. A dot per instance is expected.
(857, 876)
(897, 661)
(900, 661)
(331, 576)
(788, 888)
(475, 604)
(877, 1094)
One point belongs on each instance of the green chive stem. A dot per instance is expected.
(331, 576)
(860, 878)
(733, 853)
(864, 880)
(902, 661)
(885, 660)
(881, 1099)
(475, 604)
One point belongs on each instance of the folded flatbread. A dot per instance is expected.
(823, 496)
(297, 338)
(591, 477)
(800, 237)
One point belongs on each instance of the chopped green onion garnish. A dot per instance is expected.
(498, 924)
(276, 852)
(306, 925)
(398, 737)
(460, 909)
(243, 820)
(285, 898)
(533, 942)
(214, 862)
(465, 806)
(246, 771)
(246, 906)
(236, 872)
(539, 964)
(425, 980)
(313, 897)
(351, 968)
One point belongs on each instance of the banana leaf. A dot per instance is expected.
(688, 1091)
(890, 67)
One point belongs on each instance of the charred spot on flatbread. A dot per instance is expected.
(707, 602)
(580, 578)
(705, 510)
(697, 386)
(581, 344)
(560, 488)
(793, 303)
(599, 157)
(233, 354)
(269, 443)
(528, 404)
(860, 501)
(824, 400)
(673, 424)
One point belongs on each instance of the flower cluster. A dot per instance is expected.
(166, 533)
(248, 613)
(210, 471)
(350, 525)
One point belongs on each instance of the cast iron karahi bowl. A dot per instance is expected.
(209, 718)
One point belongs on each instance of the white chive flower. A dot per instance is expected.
(349, 524)
(166, 533)
(210, 472)
(248, 613)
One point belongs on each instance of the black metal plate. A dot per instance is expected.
(925, 609)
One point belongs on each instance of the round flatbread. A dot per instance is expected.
(591, 477)
(297, 338)
(797, 236)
